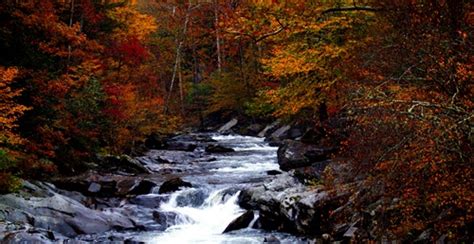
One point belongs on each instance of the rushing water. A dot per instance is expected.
(204, 211)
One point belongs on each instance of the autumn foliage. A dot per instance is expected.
(78, 63)
(82, 77)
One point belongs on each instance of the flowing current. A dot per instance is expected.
(200, 214)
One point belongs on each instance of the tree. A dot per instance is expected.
(10, 111)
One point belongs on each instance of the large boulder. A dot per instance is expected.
(284, 204)
(241, 222)
(40, 206)
(295, 154)
(173, 185)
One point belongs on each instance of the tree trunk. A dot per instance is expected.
(180, 41)
(218, 41)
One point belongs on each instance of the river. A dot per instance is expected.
(202, 213)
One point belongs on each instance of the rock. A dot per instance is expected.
(271, 239)
(351, 232)
(131, 241)
(274, 172)
(295, 154)
(312, 172)
(89, 184)
(252, 130)
(124, 163)
(165, 219)
(241, 222)
(143, 187)
(45, 209)
(156, 141)
(149, 201)
(173, 185)
(284, 204)
(94, 187)
(424, 237)
(191, 197)
(294, 133)
(167, 157)
(228, 126)
(181, 146)
(312, 136)
(268, 129)
(30, 236)
(281, 133)
(213, 148)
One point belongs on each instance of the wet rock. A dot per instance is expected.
(271, 239)
(94, 188)
(275, 143)
(295, 154)
(181, 146)
(213, 148)
(154, 157)
(143, 187)
(156, 141)
(165, 219)
(191, 198)
(131, 241)
(191, 138)
(173, 185)
(228, 126)
(149, 201)
(274, 172)
(240, 222)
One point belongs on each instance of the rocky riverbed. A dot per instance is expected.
(207, 187)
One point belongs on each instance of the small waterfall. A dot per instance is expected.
(203, 223)
(203, 212)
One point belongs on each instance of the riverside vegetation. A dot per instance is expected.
(370, 104)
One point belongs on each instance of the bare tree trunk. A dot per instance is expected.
(180, 41)
(181, 93)
(218, 41)
(71, 17)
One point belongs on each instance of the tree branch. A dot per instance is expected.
(355, 8)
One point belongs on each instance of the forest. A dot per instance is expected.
(389, 82)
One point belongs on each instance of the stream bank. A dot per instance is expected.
(210, 187)
(188, 189)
